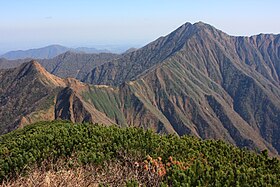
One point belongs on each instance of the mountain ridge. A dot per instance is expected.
(197, 80)
(70, 102)
(56, 98)
(48, 52)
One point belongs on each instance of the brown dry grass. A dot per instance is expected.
(115, 173)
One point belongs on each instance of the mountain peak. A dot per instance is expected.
(187, 30)
(32, 66)
(204, 26)
(35, 64)
(197, 25)
(36, 70)
(183, 28)
(193, 81)
(201, 23)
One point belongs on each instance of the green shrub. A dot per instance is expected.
(206, 163)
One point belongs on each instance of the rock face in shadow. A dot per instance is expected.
(197, 80)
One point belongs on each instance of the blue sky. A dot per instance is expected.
(36, 23)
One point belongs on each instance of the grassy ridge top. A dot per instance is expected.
(198, 162)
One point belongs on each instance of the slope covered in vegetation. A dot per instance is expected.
(171, 160)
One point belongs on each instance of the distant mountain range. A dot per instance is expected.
(47, 52)
(197, 80)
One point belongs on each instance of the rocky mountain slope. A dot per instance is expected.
(200, 43)
(231, 82)
(26, 91)
(29, 94)
(197, 80)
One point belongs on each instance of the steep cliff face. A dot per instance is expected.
(70, 106)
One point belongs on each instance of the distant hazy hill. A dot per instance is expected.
(47, 52)
(90, 50)
(41, 53)
(197, 80)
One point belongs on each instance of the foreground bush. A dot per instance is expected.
(172, 160)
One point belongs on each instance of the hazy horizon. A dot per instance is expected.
(33, 24)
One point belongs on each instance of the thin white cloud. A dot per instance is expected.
(48, 17)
